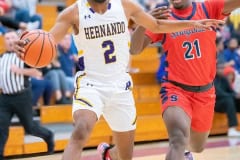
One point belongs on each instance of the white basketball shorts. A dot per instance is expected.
(113, 100)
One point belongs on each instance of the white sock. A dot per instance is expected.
(186, 151)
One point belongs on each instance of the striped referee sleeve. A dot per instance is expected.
(10, 82)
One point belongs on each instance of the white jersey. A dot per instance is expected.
(104, 40)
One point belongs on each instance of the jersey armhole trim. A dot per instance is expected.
(205, 10)
(164, 38)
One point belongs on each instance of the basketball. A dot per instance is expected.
(40, 48)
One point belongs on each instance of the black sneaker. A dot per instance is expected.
(50, 143)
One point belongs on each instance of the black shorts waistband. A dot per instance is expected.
(193, 88)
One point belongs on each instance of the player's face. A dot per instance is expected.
(181, 4)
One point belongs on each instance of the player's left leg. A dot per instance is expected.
(203, 111)
(120, 114)
(124, 142)
(197, 141)
(123, 147)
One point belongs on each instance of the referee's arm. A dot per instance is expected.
(31, 72)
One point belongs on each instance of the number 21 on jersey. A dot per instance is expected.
(190, 46)
(109, 53)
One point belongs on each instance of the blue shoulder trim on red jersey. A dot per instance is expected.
(190, 16)
(205, 10)
(165, 66)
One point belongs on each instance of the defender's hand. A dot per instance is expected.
(160, 12)
(208, 23)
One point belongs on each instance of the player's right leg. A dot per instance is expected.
(87, 108)
(177, 118)
(84, 121)
(178, 127)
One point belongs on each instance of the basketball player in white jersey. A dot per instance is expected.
(104, 88)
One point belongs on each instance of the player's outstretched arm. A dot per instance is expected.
(139, 40)
(135, 12)
(230, 5)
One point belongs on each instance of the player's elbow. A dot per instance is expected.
(156, 29)
(134, 52)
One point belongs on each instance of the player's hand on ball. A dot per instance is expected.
(19, 45)
(19, 48)
(36, 48)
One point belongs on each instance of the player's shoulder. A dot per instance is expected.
(70, 13)
(201, 4)
(71, 9)
(212, 3)
(129, 3)
(125, 2)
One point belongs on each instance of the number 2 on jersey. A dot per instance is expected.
(189, 48)
(109, 54)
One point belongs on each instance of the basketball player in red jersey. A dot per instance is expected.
(187, 92)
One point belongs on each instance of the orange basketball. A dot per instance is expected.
(40, 48)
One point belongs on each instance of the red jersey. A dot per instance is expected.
(191, 54)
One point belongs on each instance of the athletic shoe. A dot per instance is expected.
(188, 156)
(50, 143)
(102, 150)
(233, 132)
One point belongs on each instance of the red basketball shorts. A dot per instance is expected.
(199, 106)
